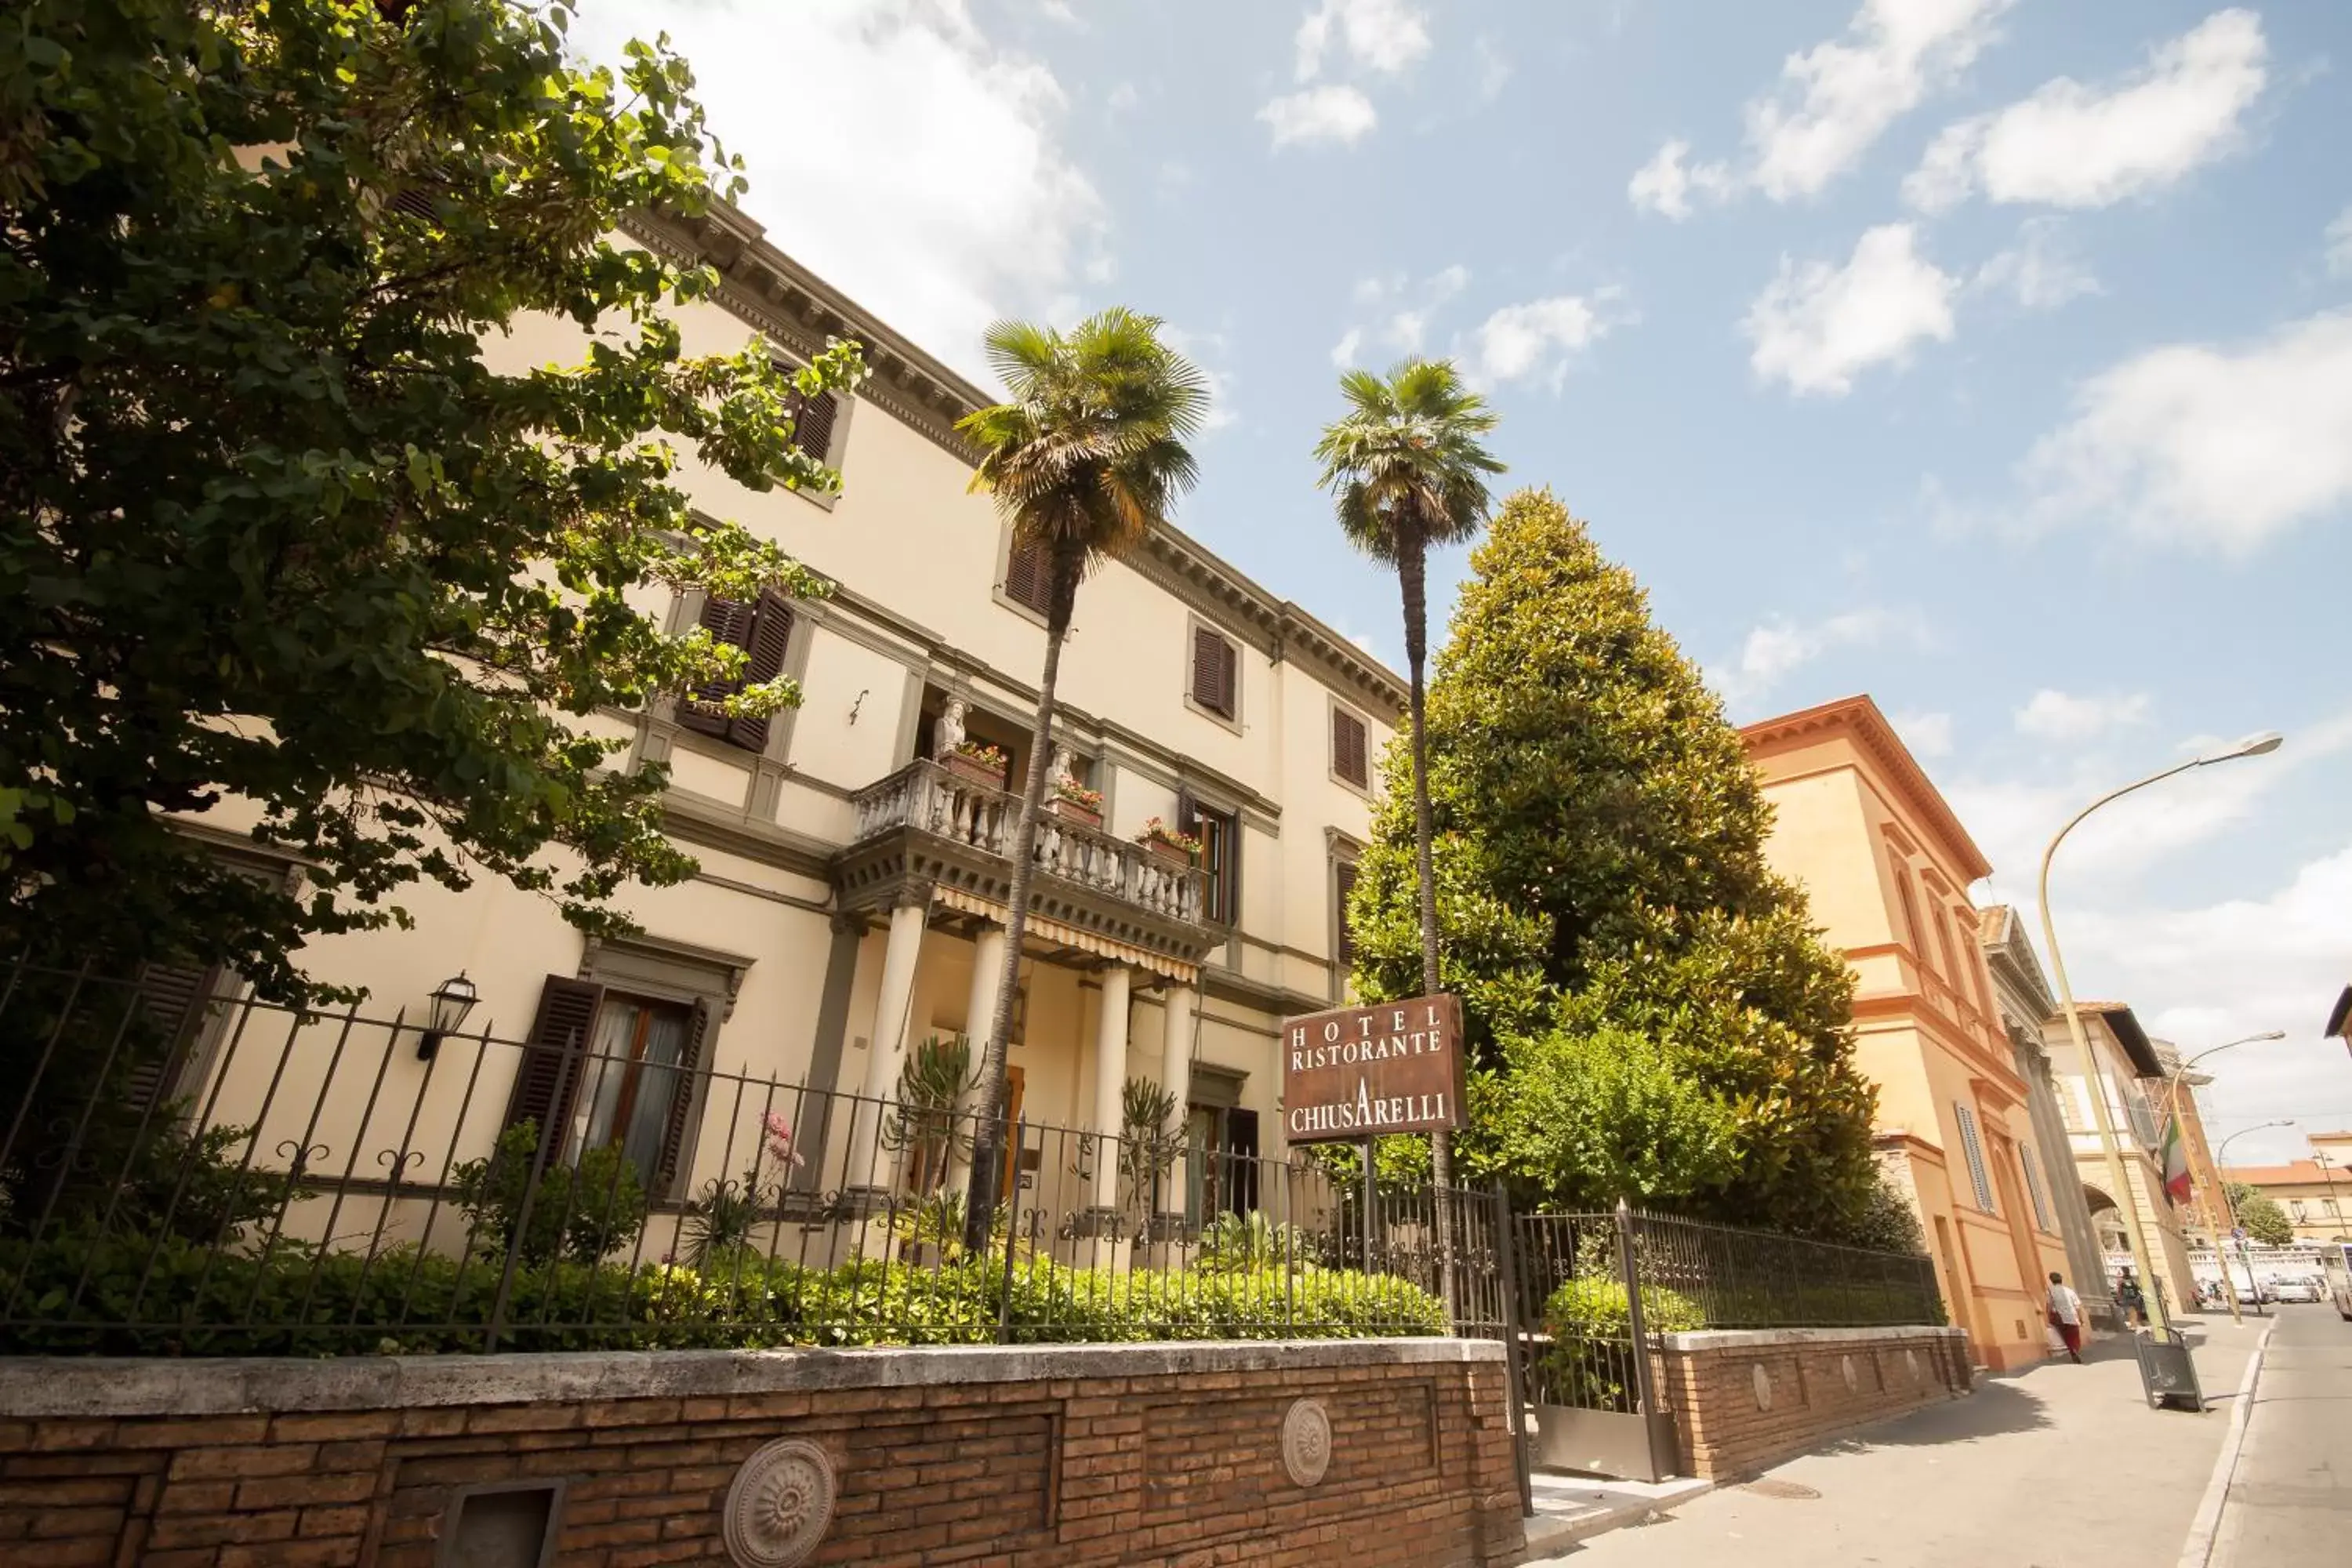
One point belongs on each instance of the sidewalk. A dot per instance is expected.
(2056, 1467)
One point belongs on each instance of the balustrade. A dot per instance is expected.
(928, 798)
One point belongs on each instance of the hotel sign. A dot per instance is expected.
(1361, 1072)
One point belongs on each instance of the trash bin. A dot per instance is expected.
(2167, 1374)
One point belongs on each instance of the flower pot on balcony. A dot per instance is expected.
(1169, 854)
(1071, 811)
(973, 771)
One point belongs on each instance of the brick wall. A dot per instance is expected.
(1017, 1458)
(1743, 1400)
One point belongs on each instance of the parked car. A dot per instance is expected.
(2304, 1290)
(2251, 1294)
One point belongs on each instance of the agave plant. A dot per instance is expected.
(936, 1077)
(1243, 1242)
(1148, 1149)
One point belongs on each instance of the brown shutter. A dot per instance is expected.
(728, 622)
(1229, 659)
(1213, 671)
(172, 997)
(1028, 579)
(1188, 814)
(1347, 751)
(1344, 879)
(682, 1100)
(549, 1077)
(813, 426)
(772, 629)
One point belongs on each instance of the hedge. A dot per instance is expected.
(116, 1296)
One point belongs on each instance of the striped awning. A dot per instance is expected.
(1051, 929)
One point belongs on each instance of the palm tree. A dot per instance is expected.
(1407, 472)
(1084, 458)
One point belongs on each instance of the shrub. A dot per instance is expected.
(585, 1210)
(1590, 1363)
(1250, 1241)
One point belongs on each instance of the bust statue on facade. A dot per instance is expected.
(1065, 766)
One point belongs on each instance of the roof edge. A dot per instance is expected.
(1860, 714)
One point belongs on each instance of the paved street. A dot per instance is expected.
(2291, 1496)
(2058, 1467)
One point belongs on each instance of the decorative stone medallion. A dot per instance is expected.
(780, 1505)
(1307, 1441)
(1763, 1381)
(1845, 1371)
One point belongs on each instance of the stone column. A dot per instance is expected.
(1176, 1078)
(979, 1017)
(886, 1047)
(1110, 1080)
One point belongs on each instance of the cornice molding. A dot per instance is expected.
(1859, 718)
(800, 310)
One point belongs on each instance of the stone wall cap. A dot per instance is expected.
(1757, 1339)
(101, 1387)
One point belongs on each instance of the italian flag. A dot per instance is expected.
(2176, 1163)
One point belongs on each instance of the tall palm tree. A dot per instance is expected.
(1407, 471)
(1084, 460)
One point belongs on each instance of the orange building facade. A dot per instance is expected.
(1886, 866)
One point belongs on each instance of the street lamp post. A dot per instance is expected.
(2252, 1283)
(2327, 1166)
(2212, 1178)
(2253, 746)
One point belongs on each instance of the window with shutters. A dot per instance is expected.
(1028, 578)
(764, 632)
(1973, 1147)
(813, 425)
(1343, 888)
(1351, 761)
(605, 1068)
(1215, 685)
(2033, 1188)
(1221, 859)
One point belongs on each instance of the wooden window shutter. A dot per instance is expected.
(813, 425)
(728, 622)
(549, 1077)
(1240, 1141)
(1214, 672)
(172, 996)
(1029, 578)
(1349, 758)
(1344, 883)
(677, 1135)
(771, 631)
(1188, 814)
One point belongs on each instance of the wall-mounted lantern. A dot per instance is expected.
(451, 1001)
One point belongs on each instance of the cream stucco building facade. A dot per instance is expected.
(850, 901)
(2126, 1067)
(1886, 867)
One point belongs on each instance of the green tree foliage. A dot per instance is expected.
(1624, 953)
(279, 520)
(2259, 1216)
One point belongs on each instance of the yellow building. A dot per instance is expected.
(2132, 1075)
(2314, 1193)
(1886, 867)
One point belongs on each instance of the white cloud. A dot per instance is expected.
(2203, 446)
(1927, 734)
(1780, 648)
(2038, 271)
(2339, 244)
(1536, 339)
(2070, 145)
(1383, 36)
(959, 206)
(1833, 103)
(1324, 113)
(1211, 353)
(1837, 97)
(1405, 311)
(1344, 351)
(1122, 98)
(1816, 326)
(2052, 715)
(1494, 68)
(1664, 185)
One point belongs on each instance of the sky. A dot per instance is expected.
(1993, 357)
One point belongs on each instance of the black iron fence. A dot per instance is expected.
(240, 1177)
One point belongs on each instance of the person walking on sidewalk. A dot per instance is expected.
(2129, 1297)
(2066, 1317)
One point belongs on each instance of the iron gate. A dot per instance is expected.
(1583, 1353)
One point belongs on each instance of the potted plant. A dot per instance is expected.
(977, 762)
(1077, 803)
(1176, 849)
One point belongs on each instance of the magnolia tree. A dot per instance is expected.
(1652, 1014)
(272, 527)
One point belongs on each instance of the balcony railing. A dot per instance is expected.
(925, 797)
